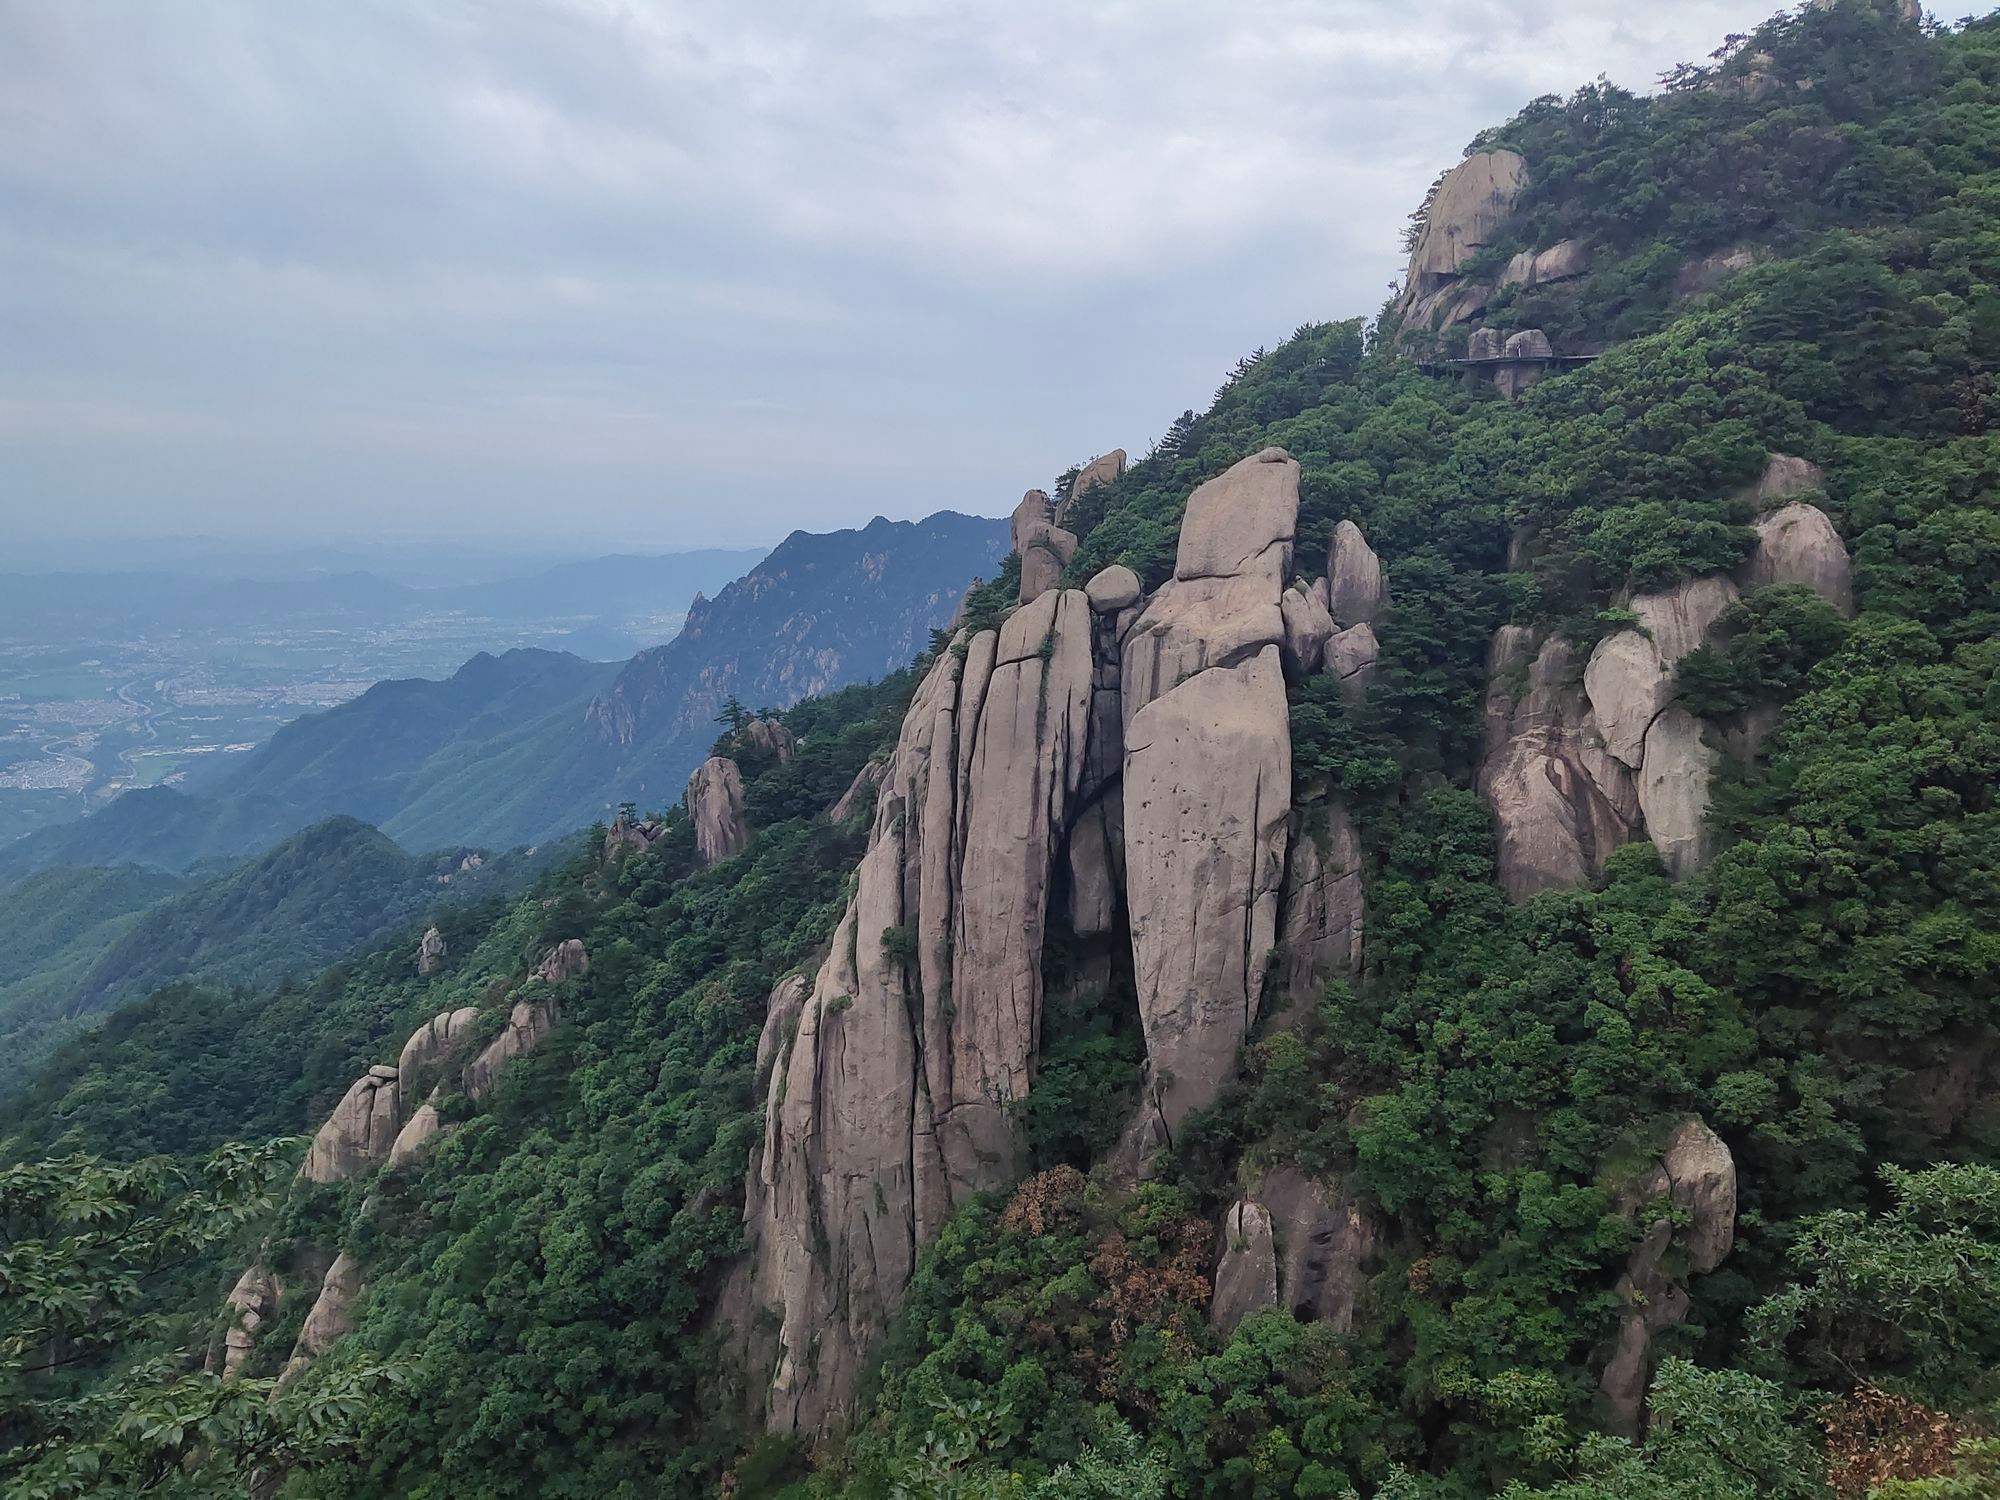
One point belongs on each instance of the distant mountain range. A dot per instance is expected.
(524, 747)
(599, 588)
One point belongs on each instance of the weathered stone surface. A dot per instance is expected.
(359, 1132)
(332, 1315)
(566, 960)
(1698, 1176)
(1560, 262)
(1562, 801)
(1673, 790)
(634, 836)
(252, 1302)
(1797, 544)
(1786, 477)
(1308, 627)
(1241, 523)
(1207, 814)
(715, 805)
(766, 737)
(893, 1103)
(424, 1126)
(1529, 343)
(1485, 343)
(527, 1024)
(864, 786)
(1468, 205)
(1326, 1242)
(1630, 675)
(1112, 589)
(1044, 547)
(1099, 471)
(1324, 910)
(1351, 656)
(435, 1040)
(1357, 590)
(430, 952)
(781, 1023)
(1246, 1267)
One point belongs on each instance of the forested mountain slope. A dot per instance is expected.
(1437, 939)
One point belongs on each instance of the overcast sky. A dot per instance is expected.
(587, 274)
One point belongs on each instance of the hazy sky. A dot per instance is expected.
(582, 273)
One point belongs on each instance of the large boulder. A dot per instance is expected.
(430, 952)
(766, 737)
(1241, 524)
(424, 1126)
(1246, 1267)
(1356, 587)
(1629, 678)
(359, 1132)
(715, 805)
(1468, 205)
(1351, 656)
(566, 960)
(434, 1041)
(1112, 589)
(1101, 470)
(1797, 544)
(1308, 627)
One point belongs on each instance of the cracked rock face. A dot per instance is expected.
(434, 1041)
(1562, 800)
(1673, 790)
(1099, 471)
(1308, 628)
(1630, 676)
(1321, 919)
(715, 804)
(892, 1103)
(252, 1302)
(430, 952)
(1470, 203)
(527, 1024)
(359, 1132)
(1327, 1245)
(767, 737)
(1207, 789)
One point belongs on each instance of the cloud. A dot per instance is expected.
(651, 272)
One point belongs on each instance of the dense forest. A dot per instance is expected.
(1492, 1086)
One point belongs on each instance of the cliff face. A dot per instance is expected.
(1131, 755)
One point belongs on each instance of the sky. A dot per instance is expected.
(575, 275)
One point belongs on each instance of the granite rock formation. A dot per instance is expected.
(1465, 211)
(715, 806)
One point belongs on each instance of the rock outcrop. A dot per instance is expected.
(1101, 470)
(566, 960)
(715, 806)
(631, 835)
(1560, 262)
(1562, 800)
(766, 737)
(251, 1303)
(1207, 788)
(1357, 590)
(1673, 790)
(359, 1132)
(1796, 544)
(1308, 628)
(430, 952)
(1629, 678)
(1697, 1177)
(1465, 210)
(434, 1041)
(1527, 354)
(893, 1101)
(331, 1318)
(1327, 1245)
(1044, 547)
(1246, 1267)
(527, 1024)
